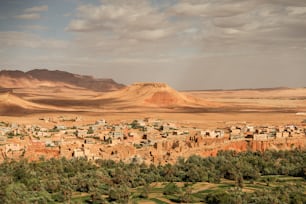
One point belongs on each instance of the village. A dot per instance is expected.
(142, 140)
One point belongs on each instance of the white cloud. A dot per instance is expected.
(78, 26)
(185, 33)
(231, 31)
(212, 8)
(296, 10)
(28, 16)
(32, 13)
(186, 8)
(26, 40)
(67, 14)
(138, 29)
(37, 9)
(33, 27)
(133, 20)
(152, 34)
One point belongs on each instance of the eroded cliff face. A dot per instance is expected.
(168, 151)
(163, 151)
(278, 144)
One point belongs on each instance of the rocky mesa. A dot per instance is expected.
(155, 94)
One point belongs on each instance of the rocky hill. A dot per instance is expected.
(43, 77)
(156, 95)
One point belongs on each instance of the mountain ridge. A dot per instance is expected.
(44, 77)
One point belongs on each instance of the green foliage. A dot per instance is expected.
(219, 198)
(185, 196)
(90, 130)
(119, 194)
(171, 189)
(134, 124)
(57, 180)
(10, 135)
(145, 191)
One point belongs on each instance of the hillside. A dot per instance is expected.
(42, 77)
(155, 95)
(11, 104)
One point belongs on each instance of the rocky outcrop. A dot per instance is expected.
(155, 94)
(44, 77)
(168, 151)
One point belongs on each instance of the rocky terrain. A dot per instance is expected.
(156, 95)
(42, 77)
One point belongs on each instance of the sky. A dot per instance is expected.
(189, 44)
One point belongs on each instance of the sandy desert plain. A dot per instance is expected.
(206, 109)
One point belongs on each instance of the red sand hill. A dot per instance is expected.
(157, 95)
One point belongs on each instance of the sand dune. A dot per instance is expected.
(11, 104)
(38, 91)
(10, 99)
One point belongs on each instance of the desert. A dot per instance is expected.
(145, 123)
(277, 106)
(182, 118)
(152, 102)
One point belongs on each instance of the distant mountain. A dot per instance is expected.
(44, 77)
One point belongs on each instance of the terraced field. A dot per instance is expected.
(198, 192)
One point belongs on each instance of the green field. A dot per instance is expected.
(198, 192)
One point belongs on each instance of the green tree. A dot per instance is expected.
(186, 195)
(16, 193)
(145, 191)
(171, 189)
(119, 194)
(90, 130)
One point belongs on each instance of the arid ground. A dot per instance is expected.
(203, 108)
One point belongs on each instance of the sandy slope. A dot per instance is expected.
(12, 104)
(280, 99)
(155, 95)
(146, 98)
(264, 107)
(29, 82)
(10, 99)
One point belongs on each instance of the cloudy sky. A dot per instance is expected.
(190, 44)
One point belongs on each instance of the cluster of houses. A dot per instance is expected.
(97, 140)
(262, 133)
